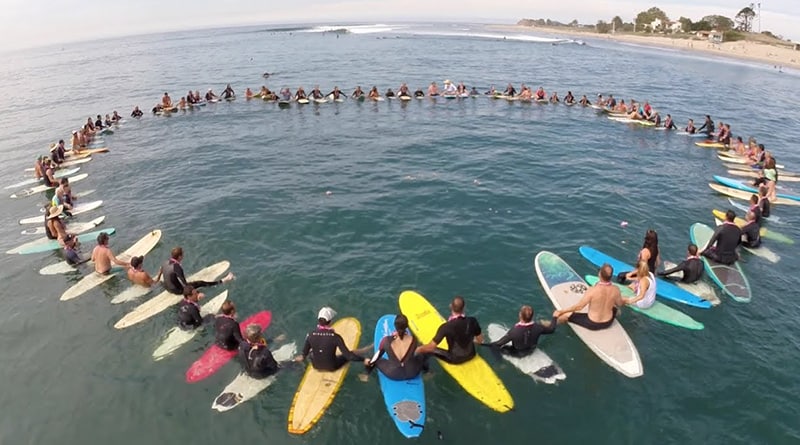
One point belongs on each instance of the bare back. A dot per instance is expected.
(602, 300)
(101, 258)
(139, 277)
(400, 346)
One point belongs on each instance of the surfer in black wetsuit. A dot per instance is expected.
(569, 98)
(419, 93)
(337, 94)
(461, 332)
(691, 267)
(257, 360)
(524, 336)
(401, 362)
(357, 93)
(227, 334)
(721, 248)
(70, 252)
(228, 92)
(763, 202)
(189, 317)
(316, 93)
(136, 113)
(322, 344)
(751, 232)
(174, 278)
(708, 126)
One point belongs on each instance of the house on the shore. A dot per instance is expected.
(659, 25)
(711, 36)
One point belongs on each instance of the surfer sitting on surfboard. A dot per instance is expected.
(174, 278)
(603, 299)
(403, 91)
(524, 336)
(419, 93)
(721, 248)
(644, 287)
(691, 267)
(138, 275)
(257, 360)
(708, 126)
(461, 332)
(322, 344)
(751, 232)
(136, 113)
(316, 93)
(336, 93)
(70, 253)
(449, 89)
(228, 92)
(188, 310)
(227, 334)
(102, 256)
(401, 363)
(357, 93)
(374, 94)
(300, 93)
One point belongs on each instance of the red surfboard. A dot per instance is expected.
(215, 357)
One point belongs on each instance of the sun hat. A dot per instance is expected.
(55, 211)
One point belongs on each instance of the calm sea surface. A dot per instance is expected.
(444, 197)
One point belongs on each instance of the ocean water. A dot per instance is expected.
(349, 204)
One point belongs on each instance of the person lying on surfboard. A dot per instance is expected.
(524, 336)
(322, 344)
(102, 256)
(174, 278)
(691, 267)
(401, 362)
(139, 276)
(721, 248)
(603, 300)
(257, 360)
(461, 332)
(227, 334)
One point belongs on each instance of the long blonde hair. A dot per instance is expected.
(642, 270)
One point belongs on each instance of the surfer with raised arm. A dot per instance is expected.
(603, 299)
(138, 275)
(322, 344)
(721, 248)
(174, 278)
(692, 267)
(524, 336)
(102, 256)
(461, 332)
(401, 363)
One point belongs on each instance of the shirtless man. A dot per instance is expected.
(433, 90)
(102, 256)
(166, 102)
(138, 275)
(603, 299)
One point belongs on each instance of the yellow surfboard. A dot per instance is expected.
(475, 376)
(318, 388)
(738, 221)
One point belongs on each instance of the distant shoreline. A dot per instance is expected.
(740, 50)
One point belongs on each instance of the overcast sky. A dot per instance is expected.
(28, 23)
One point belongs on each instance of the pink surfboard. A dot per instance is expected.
(215, 357)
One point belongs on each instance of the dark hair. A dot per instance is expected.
(228, 308)
(61, 141)
(606, 271)
(651, 242)
(457, 305)
(188, 290)
(322, 322)
(526, 313)
(102, 238)
(762, 191)
(730, 215)
(400, 325)
(176, 253)
(753, 199)
(692, 249)
(64, 181)
(137, 261)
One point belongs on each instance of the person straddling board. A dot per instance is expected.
(174, 278)
(401, 362)
(692, 267)
(257, 360)
(189, 317)
(54, 227)
(70, 251)
(63, 196)
(227, 334)
(751, 231)
(721, 248)
(228, 92)
(524, 336)
(603, 300)
(322, 344)
(461, 332)
(102, 256)
(644, 287)
(138, 275)
(136, 113)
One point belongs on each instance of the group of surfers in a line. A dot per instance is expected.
(82, 136)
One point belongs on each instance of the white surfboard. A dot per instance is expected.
(58, 174)
(132, 293)
(44, 188)
(65, 164)
(177, 337)
(244, 387)
(73, 227)
(94, 279)
(699, 288)
(760, 251)
(321, 101)
(166, 299)
(538, 364)
(76, 210)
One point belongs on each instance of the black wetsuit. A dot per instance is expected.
(189, 315)
(228, 93)
(72, 257)
(727, 237)
(227, 334)
(137, 113)
(322, 344)
(752, 234)
(398, 368)
(46, 178)
(98, 124)
(523, 338)
(175, 280)
(671, 126)
(691, 267)
(708, 126)
(611, 103)
(419, 93)
(460, 333)
(764, 204)
(510, 92)
(257, 360)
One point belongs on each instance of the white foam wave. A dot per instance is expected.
(355, 29)
(494, 36)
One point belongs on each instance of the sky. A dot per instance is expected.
(31, 23)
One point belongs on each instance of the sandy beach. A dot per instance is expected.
(743, 50)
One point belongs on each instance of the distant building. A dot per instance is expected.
(655, 24)
(675, 27)
(711, 36)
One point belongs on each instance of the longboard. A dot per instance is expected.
(166, 299)
(44, 188)
(76, 228)
(215, 357)
(44, 245)
(765, 232)
(746, 208)
(761, 251)
(404, 399)
(318, 388)
(730, 182)
(700, 288)
(658, 311)
(475, 376)
(133, 292)
(538, 365)
(565, 287)
(94, 279)
(741, 194)
(244, 387)
(177, 337)
(76, 210)
(65, 164)
(730, 279)
(58, 174)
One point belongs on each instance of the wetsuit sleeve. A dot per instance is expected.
(306, 347)
(179, 274)
(346, 353)
(714, 237)
(679, 268)
(197, 320)
(549, 329)
(440, 334)
(502, 340)
(237, 333)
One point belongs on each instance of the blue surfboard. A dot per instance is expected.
(739, 185)
(664, 288)
(405, 399)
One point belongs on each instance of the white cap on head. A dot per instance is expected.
(326, 314)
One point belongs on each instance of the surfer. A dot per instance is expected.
(649, 254)
(569, 98)
(248, 93)
(419, 93)
(228, 92)
(358, 93)
(174, 278)
(554, 98)
(510, 91)
(210, 95)
(691, 267)
(491, 91)
(768, 178)
(461, 89)
(63, 196)
(403, 91)
(669, 124)
(102, 256)
(98, 123)
(48, 178)
(58, 152)
(400, 363)
(603, 299)
(474, 92)
(763, 202)
(138, 275)
(136, 113)
(690, 127)
(584, 101)
(374, 94)
(286, 94)
(54, 227)
(166, 102)
(300, 93)
(316, 93)
(449, 89)
(322, 344)
(189, 317)
(433, 90)
(525, 94)
(611, 103)
(71, 252)
(644, 287)
(227, 334)
(182, 103)
(721, 248)
(257, 360)
(115, 117)
(524, 336)
(461, 332)
(751, 232)
(708, 126)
